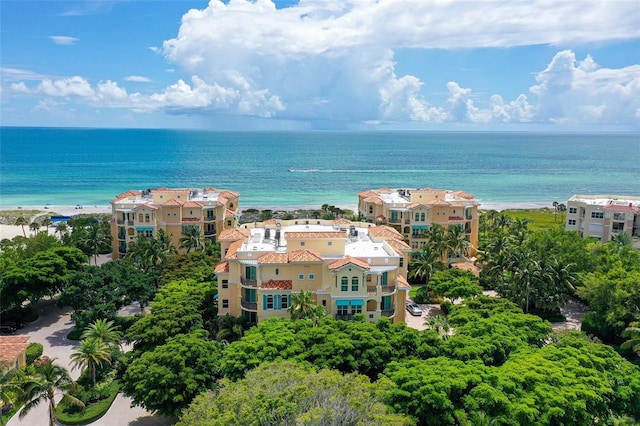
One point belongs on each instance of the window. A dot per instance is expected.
(146, 233)
(572, 221)
(277, 271)
(370, 209)
(301, 243)
(417, 217)
(228, 223)
(301, 277)
(284, 301)
(330, 243)
(147, 218)
(225, 303)
(225, 283)
(356, 309)
(573, 210)
(597, 215)
(343, 310)
(422, 217)
(345, 284)
(140, 217)
(312, 276)
(354, 284)
(401, 262)
(269, 302)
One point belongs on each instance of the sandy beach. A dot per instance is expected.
(10, 231)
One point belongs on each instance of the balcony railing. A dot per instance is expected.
(386, 289)
(392, 220)
(122, 236)
(347, 317)
(248, 283)
(249, 306)
(209, 218)
(619, 217)
(130, 222)
(371, 290)
(120, 221)
(208, 233)
(388, 312)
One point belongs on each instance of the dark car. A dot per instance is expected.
(7, 329)
(414, 309)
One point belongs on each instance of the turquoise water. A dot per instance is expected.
(91, 166)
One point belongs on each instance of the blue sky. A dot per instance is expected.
(322, 64)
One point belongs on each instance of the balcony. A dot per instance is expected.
(386, 289)
(371, 290)
(619, 217)
(248, 283)
(209, 218)
(120, 221)
(209, 232)
(457, 219)
(347, 317)
(388, 312)
(396, 220)
(249, 306)
(130, 222)
(122, 236)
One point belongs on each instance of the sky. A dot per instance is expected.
(322, 64)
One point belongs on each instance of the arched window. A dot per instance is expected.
(344, 284)
(422, 217)
(354, 284)
(417, 217)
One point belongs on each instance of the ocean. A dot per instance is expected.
(70, 166)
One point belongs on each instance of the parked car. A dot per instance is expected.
(7, 329)
(414, 309)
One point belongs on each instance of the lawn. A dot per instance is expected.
(538, 218)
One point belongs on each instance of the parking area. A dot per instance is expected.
(428, 310)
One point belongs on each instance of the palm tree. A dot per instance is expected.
(437, 239)
(21, 221)
(622, 239)
(10, 389)
(230, 328)
(43, 386)
(425, 263)
(34, 226)
(633, 333)
(105, 331)
(439, 324)
(562, 208)
(301, 306)
(96, 239)
(555, 210)
(456, 241)
(46, 222)
(90, 353)
(62, 228)
(191, 238)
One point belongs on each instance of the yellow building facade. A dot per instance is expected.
(603, 216)
(145, 212)
(413, 211)
(349, 267)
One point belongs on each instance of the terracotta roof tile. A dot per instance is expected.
(315, 235)
(130, 193)
(191, 219)
(192, 204)
(463, 194)
(173, 202)
(277, 285)
(347, 260)
(230, 213)
(232, 253)
(375, 199)
(438, 202)
(222, 201)
(274, 258)
(305, 256)
(145, 205)
(271, 221)
(229, 194)
(11, 347)
(620, 208)
(399, 246)
(467, 266)
(222, 268)
(385, 231)
(415, 205)
(234, 234)
(402, 282)
(342, 221)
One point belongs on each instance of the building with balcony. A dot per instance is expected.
(349, 268)
(603, 216)
(413, 211)
(146, 212)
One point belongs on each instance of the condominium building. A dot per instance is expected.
(413, 211)
(603, 216)
(349, 267)
(146, 212)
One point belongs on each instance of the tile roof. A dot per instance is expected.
(230, 213)
(11, 347)
(191, 219)
(467, 266)
(403, 283)
(130, 193)
(274, 258)
(232, 253)
(347, 260)
(305, 256)
(463, 194)
(399, 246)
(620, 208)
(234, 234)
(413, 205)
(385, 231)
(229, 194)
(342, 221)
(438, 202)
(172, 202)
(315, 235)
(375, 199)
(271, 221)
(222, 268)
(277, 285)
(145, 205)
(192, 204)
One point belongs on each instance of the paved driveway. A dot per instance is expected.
(51, 329)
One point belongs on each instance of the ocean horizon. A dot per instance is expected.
(69, 166)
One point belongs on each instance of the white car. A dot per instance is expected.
(414, 309)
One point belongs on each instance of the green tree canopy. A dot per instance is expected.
(287, 393)
(455, 283)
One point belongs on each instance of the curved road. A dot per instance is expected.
(51, 329)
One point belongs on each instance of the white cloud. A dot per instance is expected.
(138, 79)
(580, 91)
(64, 40)
(73, 86)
